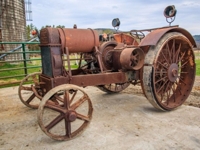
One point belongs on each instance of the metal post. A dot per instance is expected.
(24, 58)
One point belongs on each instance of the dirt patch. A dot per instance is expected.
(192, 100)
(10, 81)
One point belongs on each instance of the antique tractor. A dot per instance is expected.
(162, 62)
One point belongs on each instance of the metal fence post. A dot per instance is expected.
(24, 58)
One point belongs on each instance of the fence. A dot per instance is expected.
(12, 71)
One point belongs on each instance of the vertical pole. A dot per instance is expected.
(81, 57)
(1, 25)
(24, 58)
(99, 59)
(68, 63)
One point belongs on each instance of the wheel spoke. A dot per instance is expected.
(82, 117)
(174, 92)
(121, 86)
(59, 98)
(36, 92)
(79, 102)
(26, 88)
(182, 80)
(68, 128)
(116, 87)
(35, 80)
(109, 86)
(161, 86)
(169, 52)
(160, 79)
(66, 100)
(162, 94)
(30, 98)
(180, 58)
(166, 91)
(54, 122)
(158, 72)
(184, 72)
(168, 96)
(162, 64)
(177, 53)
(173, 51)
(74, 94)
(182, 66)
(165, 58)
(52, 106)
(136, 55)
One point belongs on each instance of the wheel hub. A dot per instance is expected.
(173, 72)
(71, 116)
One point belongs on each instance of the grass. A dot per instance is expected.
(34, 63)
(14, 70)
(197, 67)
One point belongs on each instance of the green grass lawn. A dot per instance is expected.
(35, 64)
(197, 67)
(15, 70)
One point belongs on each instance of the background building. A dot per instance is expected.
(12, 25)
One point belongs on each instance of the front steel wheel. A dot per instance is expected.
(68, 117)
(169, 71)
(29, 90)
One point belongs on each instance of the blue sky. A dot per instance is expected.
(133, 14)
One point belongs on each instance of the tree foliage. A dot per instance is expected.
(197, 40)
(30, 28)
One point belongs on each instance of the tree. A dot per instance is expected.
(29, 28)
(28, 31)
(60, 26)
(107, 31)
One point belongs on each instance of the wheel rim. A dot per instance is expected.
(70, 117)
(27, 89)
(174, 71)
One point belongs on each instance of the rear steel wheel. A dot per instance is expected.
(114, 87)
(169, 76)
(67, 118)
(29, 90)
(106, 51)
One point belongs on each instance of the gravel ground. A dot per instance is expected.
(120, 121)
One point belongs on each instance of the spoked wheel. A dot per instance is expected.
(114, 87)
(67, 118)
(106, 50)
(29, 90)
(169, 77)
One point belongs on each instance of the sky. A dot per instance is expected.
(133, 14)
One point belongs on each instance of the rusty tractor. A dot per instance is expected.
(162, 62)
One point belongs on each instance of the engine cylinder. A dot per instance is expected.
(76, 40)
(81, 40)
